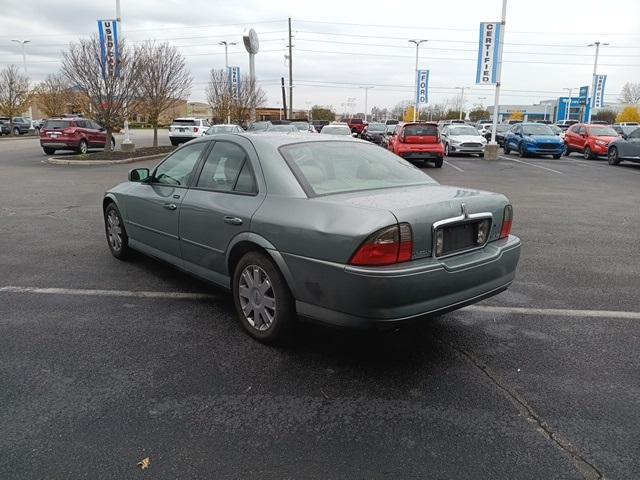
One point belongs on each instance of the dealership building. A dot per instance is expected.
(554, 110)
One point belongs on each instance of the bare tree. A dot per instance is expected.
(14, 93)
(167, 81)
(109, 96)
(219, 97)
(630, 93)
(54, 95)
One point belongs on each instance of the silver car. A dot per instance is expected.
(313, 226)
(462, 139)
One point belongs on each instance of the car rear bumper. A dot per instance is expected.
(359, 297)
(58, 143)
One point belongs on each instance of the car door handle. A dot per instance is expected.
(232, 220)
(170, 206)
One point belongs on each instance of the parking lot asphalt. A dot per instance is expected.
(104, 363)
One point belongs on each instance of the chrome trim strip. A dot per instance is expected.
(460, 219)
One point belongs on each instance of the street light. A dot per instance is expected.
(567, 114)
(595, 70)
(23, 43)
(226, 70)
(461, 101)
(366, 98)
(415, 77)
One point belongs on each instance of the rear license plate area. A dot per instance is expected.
(460, 237)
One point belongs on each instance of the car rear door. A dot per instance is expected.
(225, 195)
(153, 208)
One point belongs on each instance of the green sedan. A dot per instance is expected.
(337, 231)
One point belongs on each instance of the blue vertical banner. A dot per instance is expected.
(583, 95)
(422, 89)
(109, 48)
(488, 53)
(597, 91)
(233, 73)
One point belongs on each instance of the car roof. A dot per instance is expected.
(68, 119)
(278, 139)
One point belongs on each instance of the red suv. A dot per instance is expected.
(591, 140)
(79, 134)
(417, 141)
(356, 125)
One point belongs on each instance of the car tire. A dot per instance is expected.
(36, 131)
(567, 151)
(113, 143)
(588, 154)
(49, 151)
(521, 151)
(612, 156)
(256, 278)
(117, 238)
(174, 143)
(481, 155)
(83, 147)
(16, 131)
(438, 162)
(557, 156)
(506, 149)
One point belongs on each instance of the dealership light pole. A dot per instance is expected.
(595, 71)
(226, 70)
(415, 78)
(567, 112)
(461, 101)
(366, 104)
(496, 98)
(23, 43)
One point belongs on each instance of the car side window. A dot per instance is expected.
(177, 170)
(634, 136)
(223, 168)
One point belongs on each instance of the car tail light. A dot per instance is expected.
(507, 221)
(385, 247)
(195, 129)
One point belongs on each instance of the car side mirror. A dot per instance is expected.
(102, 129)
(138, 175)
(624, 136)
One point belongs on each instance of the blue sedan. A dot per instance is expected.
(533, 139)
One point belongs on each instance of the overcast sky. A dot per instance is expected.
(342, 45)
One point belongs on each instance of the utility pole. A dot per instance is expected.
(23, 43)
(415, 78)
(226, 72)
(595, 71)
(284, 98)
(461, 101)
(366, 102)
(290, 72)
(567, 113)
(496, 98)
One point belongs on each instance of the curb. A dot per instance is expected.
(60, 161)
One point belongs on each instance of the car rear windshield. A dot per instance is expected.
(356, 120)
(221, 129)
(56, 124)
(325, 168)
(376, 127)
(259, 126)
(184, 121)
(602, 131)
(421, 131)
(537, 129)
(302, 126)
(336, 130)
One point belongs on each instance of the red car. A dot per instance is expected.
(590, 140)
(356, 125)
(79, 134)
(417, 141)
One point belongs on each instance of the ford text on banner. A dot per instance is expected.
(422, 94)
(109, 49)
(597, 95)
(488, 52)
(234, 81)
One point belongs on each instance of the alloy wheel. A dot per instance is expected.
(114, 231)
(257, 297)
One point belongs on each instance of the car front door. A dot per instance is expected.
(219, 206)
(631, 147)
(98, 134)
(580, 138)
(153, 207)
(514, 137)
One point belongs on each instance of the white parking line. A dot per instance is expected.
(453, 166)
(558, 312)
(531, 164)
(108, 293)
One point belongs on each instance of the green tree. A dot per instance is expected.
(321, 113)
(453, 115)
(479, 113)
